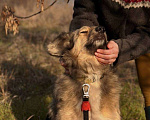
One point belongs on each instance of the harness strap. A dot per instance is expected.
(85, 108)
(85, 115)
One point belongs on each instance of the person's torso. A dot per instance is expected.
(121, 17)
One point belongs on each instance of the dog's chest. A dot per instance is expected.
(94, 99)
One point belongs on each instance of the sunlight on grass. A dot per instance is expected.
(6, 112)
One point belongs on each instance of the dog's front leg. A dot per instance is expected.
(69, 113)
(68, 99)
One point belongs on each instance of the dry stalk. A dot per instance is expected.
(4, 77)
(30, 117)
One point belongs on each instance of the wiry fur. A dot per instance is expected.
(82, 65)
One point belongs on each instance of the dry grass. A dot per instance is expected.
(132, 102)
(27, 71)
(4, 78)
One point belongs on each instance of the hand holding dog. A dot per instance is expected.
(103, 56)
(108, 56)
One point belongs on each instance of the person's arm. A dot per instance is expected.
(84, 14)
(134, 45)
(130, 47)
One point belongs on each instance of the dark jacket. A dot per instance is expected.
(127, 23)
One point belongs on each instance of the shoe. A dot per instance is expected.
(147, 112)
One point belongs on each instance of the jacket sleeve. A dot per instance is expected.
(84, 14)
(133, 45)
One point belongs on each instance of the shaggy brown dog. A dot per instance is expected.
(77, 49)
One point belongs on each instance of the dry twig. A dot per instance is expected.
(30, 117)
(42, 9)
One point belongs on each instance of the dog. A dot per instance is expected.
(77, 49)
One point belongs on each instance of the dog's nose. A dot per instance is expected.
(100, 29)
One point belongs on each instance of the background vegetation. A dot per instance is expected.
(27, 72)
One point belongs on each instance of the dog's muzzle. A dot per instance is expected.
(97, 39)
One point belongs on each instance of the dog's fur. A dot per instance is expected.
(77, 49)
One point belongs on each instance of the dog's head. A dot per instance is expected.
(86, 38)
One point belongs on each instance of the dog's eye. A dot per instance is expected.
(84, 32)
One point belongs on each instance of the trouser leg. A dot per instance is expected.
(147, 112)
(143, 71)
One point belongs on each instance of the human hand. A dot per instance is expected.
(108, 56)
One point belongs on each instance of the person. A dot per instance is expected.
(127, 24)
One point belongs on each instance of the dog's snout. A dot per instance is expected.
(100, 29)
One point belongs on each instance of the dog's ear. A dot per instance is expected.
(60, 44)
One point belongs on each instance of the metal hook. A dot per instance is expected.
(86, 93)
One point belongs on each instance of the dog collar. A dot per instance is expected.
(87, 80)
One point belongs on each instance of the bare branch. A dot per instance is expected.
(37, 12)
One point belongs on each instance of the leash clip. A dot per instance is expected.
(86, 93)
